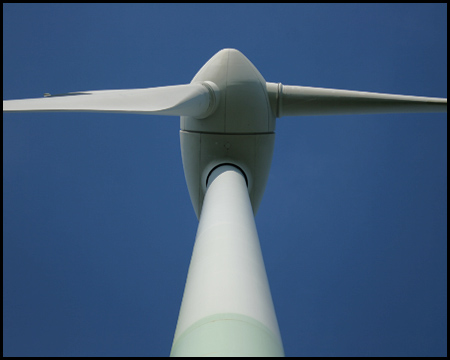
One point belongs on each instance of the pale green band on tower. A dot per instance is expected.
(227, 335)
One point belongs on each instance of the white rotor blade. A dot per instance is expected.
(194, 100)
(304, 100)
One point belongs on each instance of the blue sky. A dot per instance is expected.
(98, 227)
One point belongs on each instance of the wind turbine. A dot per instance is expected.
(228, 114)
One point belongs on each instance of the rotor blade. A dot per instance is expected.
(196, 100)
(304, 100)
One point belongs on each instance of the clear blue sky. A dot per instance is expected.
(98, 227)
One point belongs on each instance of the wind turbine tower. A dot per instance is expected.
(228, 114)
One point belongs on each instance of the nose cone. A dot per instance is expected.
(243, 104)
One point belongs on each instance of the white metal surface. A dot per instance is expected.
(226, 273)
(240, 131)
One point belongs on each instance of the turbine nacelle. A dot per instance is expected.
(239, 132)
